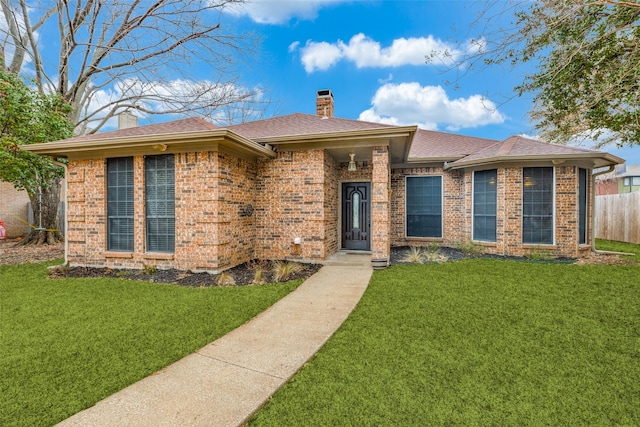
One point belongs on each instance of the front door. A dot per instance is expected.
(356, 216)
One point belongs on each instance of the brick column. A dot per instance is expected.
(380, 214)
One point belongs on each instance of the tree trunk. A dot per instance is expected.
(45, 216)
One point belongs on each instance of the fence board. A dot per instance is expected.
(618, 217)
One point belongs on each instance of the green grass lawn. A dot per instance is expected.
(66, 344)
(478, 342)
(609, 245)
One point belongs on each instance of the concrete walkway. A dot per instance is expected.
(227, 381)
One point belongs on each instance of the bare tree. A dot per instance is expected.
(117, 55)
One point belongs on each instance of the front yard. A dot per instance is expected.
(472, 342)
(69, 343)
(478, 342)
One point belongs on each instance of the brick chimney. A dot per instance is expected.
(324, 103)
(127, 120)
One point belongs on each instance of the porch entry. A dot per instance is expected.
(356, 216)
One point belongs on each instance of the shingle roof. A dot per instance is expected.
(518, 146)
(300, 124)
(431, 144)
(459, 150)
(177, 126)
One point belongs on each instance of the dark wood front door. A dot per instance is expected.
(356, 216)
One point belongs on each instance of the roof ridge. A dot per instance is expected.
(506, 146)
(440, 132)
(203, 121)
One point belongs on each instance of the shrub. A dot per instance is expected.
(283, 270)
(540, 255)
(225, 279)
(414, 256)
(435, 257)
(468, 248)
(149, 269)
(258, 277)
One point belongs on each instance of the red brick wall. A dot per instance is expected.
(86, 212)
(331, 205)
(294, 195)
(380, 204)
(457, 211)
(290, 203)
(212, 191)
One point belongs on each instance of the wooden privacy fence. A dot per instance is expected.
(618, 217)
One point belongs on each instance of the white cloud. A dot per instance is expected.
(320, 56)
(293, 46)
(280, 12)
(429, 107)
(389, 79)
(366, 52)
(166, 96)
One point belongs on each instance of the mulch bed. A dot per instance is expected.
(243, 274)
(11, 252)
(399, 256)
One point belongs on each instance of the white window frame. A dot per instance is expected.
(406, 199)
(473, 213)
(553, 221)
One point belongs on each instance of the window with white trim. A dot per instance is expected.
(485, 205)
(160, 202)
(120, 204)
(424, 206)
(537, 205)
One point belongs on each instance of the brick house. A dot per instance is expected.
(189, 195)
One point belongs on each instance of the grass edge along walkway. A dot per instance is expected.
(478, 342)
(68, 343)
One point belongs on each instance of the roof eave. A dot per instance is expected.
(205, 140)
(415, 162)
(598, 159)
(397, 139)
(372, 133)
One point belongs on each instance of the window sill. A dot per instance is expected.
(537, 245)
(484, 243)
(118, 254)
(158, 255)
(423, 239)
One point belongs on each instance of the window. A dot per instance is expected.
(582, 206)
(537, 206)
(484, 205)
(424, 206)
(629, 182)
(120, 204)
(160, 202)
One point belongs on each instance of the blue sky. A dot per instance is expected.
(371, 55)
